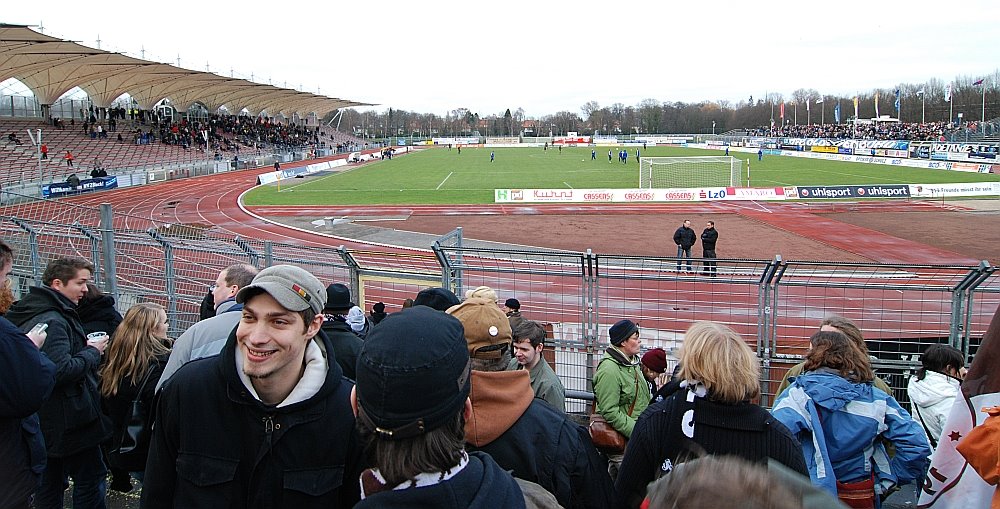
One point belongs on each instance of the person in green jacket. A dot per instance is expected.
(620, 390)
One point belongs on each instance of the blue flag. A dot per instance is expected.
(897, 102)
(836, 113)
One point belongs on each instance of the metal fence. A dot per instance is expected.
(775, 304)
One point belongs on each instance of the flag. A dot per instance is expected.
(855, 108)
(876, 104)
(951, 482)
(897, 102)
(782, 110)
(836, 113)
(807, 104)
(819, 101)
(947, 93)
(978, 82)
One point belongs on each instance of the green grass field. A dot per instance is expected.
(442, 176)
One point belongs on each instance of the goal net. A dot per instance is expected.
(666, 172)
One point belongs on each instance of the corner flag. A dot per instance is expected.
(951, 482)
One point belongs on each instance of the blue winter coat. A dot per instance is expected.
(838, 422)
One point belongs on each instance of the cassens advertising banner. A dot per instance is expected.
(876, 191)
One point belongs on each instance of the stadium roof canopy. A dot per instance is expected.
(50, 67)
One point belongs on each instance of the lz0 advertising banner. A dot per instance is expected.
(878, 191)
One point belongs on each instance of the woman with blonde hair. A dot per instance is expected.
(838, 415)
(135, 358)
(710, 413)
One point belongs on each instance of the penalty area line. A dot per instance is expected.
(567, 184)
(443, 181)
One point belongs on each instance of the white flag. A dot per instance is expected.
(947, 93)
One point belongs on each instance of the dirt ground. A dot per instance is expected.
(975, 234)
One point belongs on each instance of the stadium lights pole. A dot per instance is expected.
(922, 105)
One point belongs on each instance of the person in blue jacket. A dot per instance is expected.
(838, 416)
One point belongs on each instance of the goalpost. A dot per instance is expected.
(666, 172)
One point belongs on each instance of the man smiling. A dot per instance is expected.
(267, 422)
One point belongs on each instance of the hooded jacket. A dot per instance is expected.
(535, 441)
(481, 484)
(618, 383)
(215, 445)
(837, 423)
(71, 419)
(931, 400)
(346, 345)
(99, 314)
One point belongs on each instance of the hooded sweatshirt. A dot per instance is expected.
(499, 398)
(931, 400)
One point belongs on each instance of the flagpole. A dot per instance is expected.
(984, 104)
(951, 106)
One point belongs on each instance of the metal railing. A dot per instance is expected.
(774, 304)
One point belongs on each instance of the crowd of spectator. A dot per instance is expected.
(912, 131)
(286, 394)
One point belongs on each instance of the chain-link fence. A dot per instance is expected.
(775, 304)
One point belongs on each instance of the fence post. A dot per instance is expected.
(454, 277)
(354, 271)
(95, 250)
(268, 253)
(36, 271)
(767, 333)
(957, 326)
(249, 250)
(108, 251)
(590, 319)
(447, 272)
(983, 271)
(169, 276)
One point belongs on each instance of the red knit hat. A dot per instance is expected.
(655, 360)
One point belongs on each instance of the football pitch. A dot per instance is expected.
(437, 175)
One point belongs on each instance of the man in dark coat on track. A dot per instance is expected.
(685, 238)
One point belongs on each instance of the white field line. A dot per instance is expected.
(443, 181)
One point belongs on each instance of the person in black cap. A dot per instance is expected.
(377, 314)
(346, 344)
(438, 298)
(620, 390)
(512, 308)
(524, 434)
(412, 401)
(268, 421)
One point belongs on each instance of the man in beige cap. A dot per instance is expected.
(266, 423)
(523, 434)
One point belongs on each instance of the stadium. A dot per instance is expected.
(898, 235)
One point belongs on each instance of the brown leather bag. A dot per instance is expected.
(604, 436)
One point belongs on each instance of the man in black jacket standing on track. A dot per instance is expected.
(708, 239)
(685, 238)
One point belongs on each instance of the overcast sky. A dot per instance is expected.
(543, 56)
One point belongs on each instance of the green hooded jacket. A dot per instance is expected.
(618, 383)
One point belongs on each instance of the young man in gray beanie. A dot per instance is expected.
(522, 433)
(267, 422)
(412, 401)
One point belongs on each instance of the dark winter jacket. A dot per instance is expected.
(216, 446)
(119, 407)
(346, 345)
(658, 441)
(482, 484)
(26, 380)
(71, 419)
(685, 237)
(708, 239)
(535, 441)
(99, 314)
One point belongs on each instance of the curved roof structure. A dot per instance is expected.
(50, 67)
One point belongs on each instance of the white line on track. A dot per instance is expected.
(443, 181)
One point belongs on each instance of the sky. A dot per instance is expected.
(542, 56)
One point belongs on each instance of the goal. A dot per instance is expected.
(666, 172)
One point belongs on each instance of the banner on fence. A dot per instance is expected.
(94, 184)
(877, 191)
(638, 195)
(946, 190)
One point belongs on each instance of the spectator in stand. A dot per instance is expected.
(69, 159)
(934, 388)
(44, 150)
(412, 405)
(529, 341)
(136, 356)
(26, 380)
(619, 390)
(654, 369)
(522, 433)
(512, 308)
(838, 416)
(70, 419)
(207, 337)
(268, 422)
(346, 343)
(710, 413)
